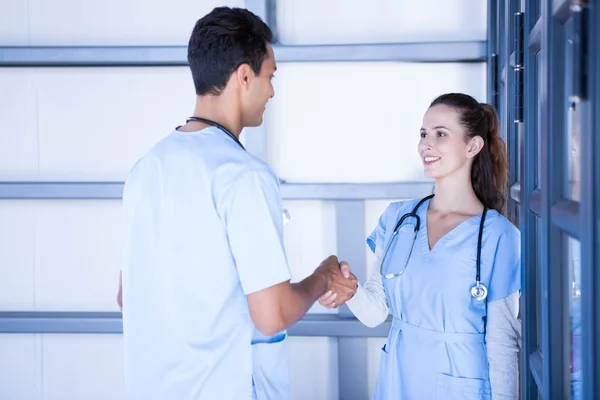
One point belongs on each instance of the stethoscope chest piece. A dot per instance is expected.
(479, 292)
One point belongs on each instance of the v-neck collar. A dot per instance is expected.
(449, 235)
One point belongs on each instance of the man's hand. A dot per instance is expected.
(327, 269)
(342, 287)
(278, 307)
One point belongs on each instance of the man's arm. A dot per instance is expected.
(250, 206)
(278, 307)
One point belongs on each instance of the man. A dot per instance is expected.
(204, 261)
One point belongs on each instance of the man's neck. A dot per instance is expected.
(216, 109)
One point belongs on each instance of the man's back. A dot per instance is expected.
(204, 258)
(187, 207)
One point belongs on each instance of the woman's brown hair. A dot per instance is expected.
(489, 172)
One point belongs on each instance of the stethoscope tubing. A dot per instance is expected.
(479, 291)
(218, 126)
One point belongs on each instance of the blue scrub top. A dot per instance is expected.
(436, 346)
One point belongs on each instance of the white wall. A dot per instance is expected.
(101, 23)
(91, 124)
(367, 114)
(382, 21)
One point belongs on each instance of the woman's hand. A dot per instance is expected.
(343, 286)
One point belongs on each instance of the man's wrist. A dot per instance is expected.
(324, 280)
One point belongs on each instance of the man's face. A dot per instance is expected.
(260, 90)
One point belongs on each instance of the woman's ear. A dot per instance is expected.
(474, 147)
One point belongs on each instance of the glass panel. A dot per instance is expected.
(57, 251)
(105, 23)
(313, 368)
(519, 137)
(17, 265)
(77, 248)
(309, 237)
(538, 121)
(18, 122)
(380, 21)
(368, 113)
(573, 263)
(13, 24)
(572, 188)
(82, 366)
(45, 129)
(20, 374)
(538, 284)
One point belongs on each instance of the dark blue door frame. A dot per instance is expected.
(555, 311)
(561, 43)
(590, 210)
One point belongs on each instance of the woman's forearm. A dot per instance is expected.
(503, 335)
(369, 304)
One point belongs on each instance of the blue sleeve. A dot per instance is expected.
(253, 219)
(377, 237)
(506, 272)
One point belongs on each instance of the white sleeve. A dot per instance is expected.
(503, 336)
(252, 215)
(369, 304)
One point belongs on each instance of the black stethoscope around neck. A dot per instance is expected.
(218, 126)
(478, 291)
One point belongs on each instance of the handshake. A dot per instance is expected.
(341, 283)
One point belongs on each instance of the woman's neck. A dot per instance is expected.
(454, 194)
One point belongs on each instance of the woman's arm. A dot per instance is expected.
(369, 304)
(503, 337)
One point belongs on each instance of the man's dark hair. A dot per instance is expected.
(223, 40)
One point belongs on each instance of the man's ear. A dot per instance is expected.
(475, 146)
(244, 75)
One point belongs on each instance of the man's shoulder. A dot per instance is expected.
(242, 164)
(150, 161)
(247, 174)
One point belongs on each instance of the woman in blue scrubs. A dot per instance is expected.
(446, 343)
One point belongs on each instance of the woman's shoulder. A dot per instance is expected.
(501, 225)
(502, 233)
(395, 210)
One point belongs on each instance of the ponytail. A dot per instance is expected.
(492, 158)
(489, 172)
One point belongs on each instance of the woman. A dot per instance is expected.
(448, 340)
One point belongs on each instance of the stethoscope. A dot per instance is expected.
(216, 125)
(478, 292)
(285, 213)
